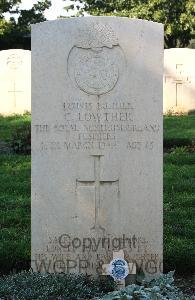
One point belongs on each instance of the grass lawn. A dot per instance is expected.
(14, 212)
(179, 131)
(179, 200)
(179, 212)
(179, 127)
(8, 124)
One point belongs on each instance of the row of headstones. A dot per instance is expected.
(15, 81)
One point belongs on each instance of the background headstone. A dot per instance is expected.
(15, 81)
(96, 144)
(179, 80)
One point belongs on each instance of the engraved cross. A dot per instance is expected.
(14, 91)
(97, 183)
(179, 80)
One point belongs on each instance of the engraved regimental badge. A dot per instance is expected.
(14, 61)
(96, 60)
(118, 269)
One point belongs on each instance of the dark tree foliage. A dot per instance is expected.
(16, 34)
(178, 16)
(7, 5)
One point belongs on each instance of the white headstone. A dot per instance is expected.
(96, 144)
(179, 80)
(15, 81)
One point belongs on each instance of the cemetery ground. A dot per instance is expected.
(179, 198)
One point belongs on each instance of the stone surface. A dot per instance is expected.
(96, 143)
(179, 80)
(15, 81)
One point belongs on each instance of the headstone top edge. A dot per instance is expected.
(15, 50)
(80, 19)
(179, 49)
